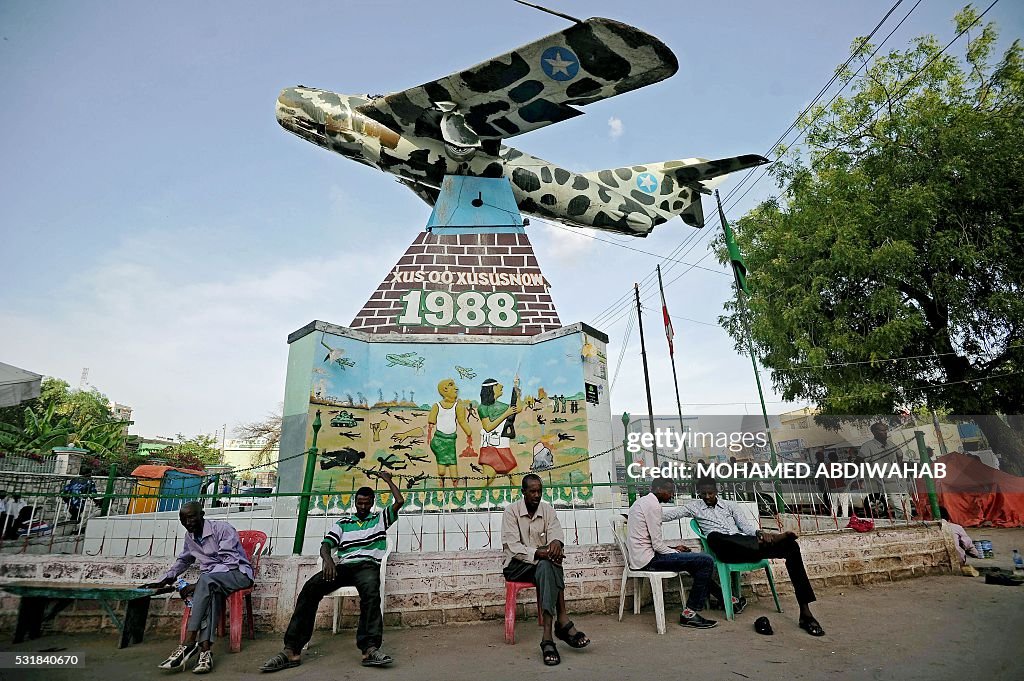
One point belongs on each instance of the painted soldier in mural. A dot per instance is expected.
(444, 417)
(496, 456)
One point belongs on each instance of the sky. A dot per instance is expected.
(158, 227)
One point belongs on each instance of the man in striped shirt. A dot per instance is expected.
(735, 538)
(360, 542)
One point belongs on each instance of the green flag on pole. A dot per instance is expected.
(739, 267)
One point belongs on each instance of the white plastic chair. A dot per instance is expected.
(339, 594)
(657, 590)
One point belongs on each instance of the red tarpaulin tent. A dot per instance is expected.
(974, 493)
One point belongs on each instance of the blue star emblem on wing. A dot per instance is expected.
(558, 63)
(647, 183)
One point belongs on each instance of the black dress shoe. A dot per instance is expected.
(696, 622)
(763, 626)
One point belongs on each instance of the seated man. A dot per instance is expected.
(734, 538)
(224, 568)
(360, 541)
(648, 551)
(964, 546)
(533, 541)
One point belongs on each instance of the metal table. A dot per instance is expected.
(41, 601)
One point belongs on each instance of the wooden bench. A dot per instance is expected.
(41, 601)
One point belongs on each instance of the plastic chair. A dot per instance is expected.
(655, 578)
(730, 572)
(339, 594)
(512, 590)
(253, 542)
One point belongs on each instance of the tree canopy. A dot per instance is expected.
(888, 274)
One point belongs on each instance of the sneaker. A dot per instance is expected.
(180, 656)
(696, 621)
(205, 664)
(740, 605)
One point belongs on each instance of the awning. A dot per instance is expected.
(17, 385)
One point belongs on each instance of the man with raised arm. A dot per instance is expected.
(360, 542)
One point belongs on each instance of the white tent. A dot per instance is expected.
(17, 385)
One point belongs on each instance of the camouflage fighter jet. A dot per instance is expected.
(456, 125)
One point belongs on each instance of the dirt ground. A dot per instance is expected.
(929, 629)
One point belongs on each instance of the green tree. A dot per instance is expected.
(195, 452)
(63, 417)
(889, 273)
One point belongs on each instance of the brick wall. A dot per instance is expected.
(443, 587)
(468, 258)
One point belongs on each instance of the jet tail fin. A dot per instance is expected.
(671, 188)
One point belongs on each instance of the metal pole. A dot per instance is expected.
(938, 433)
(742, 310)
(307, 488)
(105, 505)
(929, 481)
(630, 487)
(647, 378)
(675, 381)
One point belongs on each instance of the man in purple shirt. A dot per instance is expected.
(223, 569)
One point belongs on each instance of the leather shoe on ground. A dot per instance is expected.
(763, 626)
(696, 621)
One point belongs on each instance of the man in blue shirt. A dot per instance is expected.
(224, 568)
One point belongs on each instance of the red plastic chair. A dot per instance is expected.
(253, 542)
(512, 589)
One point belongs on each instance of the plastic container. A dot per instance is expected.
(987, 545)
(979, 547)
(1018, 563)
(180, 584)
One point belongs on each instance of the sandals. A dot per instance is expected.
(812, 627)
(375, 658)
(550, 652)
(577, 640)
(279, 662)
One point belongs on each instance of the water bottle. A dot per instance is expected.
(179, 585)
(1018, 563)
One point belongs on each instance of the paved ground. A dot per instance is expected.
(925, 629)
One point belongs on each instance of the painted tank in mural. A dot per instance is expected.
(455, 125)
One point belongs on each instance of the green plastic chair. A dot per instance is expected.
(728, 573)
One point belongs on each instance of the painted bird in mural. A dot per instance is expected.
(456, 125)
(347, 457)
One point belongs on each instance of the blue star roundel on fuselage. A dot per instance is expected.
(558, 63)
(647, 183)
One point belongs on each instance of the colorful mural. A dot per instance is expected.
(449, 414)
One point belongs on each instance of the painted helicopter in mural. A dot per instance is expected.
(455, 125)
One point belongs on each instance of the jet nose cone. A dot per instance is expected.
(298, 113)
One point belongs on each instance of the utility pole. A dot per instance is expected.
(647, 378)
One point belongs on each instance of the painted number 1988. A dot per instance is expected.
(467, 309)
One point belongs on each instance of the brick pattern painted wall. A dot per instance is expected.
(471, 257)
(437, 588)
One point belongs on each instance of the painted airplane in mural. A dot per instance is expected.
(406, 359)
(456, 125)
(465, 373)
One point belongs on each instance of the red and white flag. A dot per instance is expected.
(669, 333)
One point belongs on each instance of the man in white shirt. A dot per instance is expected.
(735, 538)
(648, 551)
(880, 449)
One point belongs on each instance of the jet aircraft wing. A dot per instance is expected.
(530, 87)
